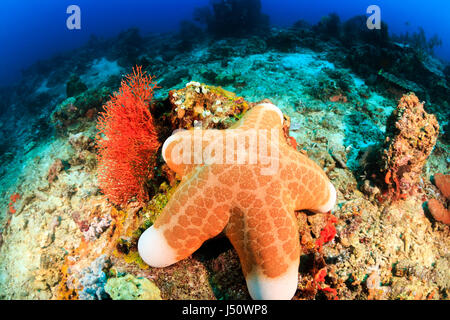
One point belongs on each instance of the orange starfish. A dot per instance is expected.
(249, 192)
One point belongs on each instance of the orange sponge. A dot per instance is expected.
(442, 181)
(438, 211)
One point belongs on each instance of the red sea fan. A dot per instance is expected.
(127, 140)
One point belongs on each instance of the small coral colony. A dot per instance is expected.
(206, 194)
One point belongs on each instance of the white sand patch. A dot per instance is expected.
(43, 87)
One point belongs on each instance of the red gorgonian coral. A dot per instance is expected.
(127, 140)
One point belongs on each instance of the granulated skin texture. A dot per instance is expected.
(255, 210)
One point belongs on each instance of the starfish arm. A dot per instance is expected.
(261, 116)
(186, 149)
(192, 216)
(309, 185)
(175, 150)
(267, 243)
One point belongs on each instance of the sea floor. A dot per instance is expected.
(62, 225)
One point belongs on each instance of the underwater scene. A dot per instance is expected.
(224, 150)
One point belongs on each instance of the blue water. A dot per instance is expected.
(31, 30)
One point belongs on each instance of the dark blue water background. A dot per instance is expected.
(31, 30)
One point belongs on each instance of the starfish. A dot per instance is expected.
(225, 187)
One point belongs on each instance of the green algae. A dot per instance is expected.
(129, 287)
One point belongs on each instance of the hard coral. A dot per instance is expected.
(212, 107)
(127, 140)
(84, 148)
(411, 134)
(76, 112)
(81, 142)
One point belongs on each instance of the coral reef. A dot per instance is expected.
(411, 134)
(75, 86)
(81, 142)
(354, 31)
(233, 18)
(392, 244)
(212, 107)
(418, 40)
(336, 91)
(71, 114)
(127, 47)
(331, 84)
(328, 26)
(56, 167)
(14, 197)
